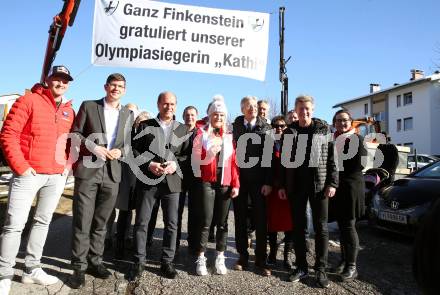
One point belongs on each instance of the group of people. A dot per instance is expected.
(267, 171)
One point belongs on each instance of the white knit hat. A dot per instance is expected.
(217, 105)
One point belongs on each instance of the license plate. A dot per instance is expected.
(393, 217)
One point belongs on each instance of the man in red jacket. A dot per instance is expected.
(34, 141)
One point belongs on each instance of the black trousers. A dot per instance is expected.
(273, 240)
(194, 215)
(258, 216)
(319, 206)
(215, 204)
(146, 198)
(92, 206)
(153, 220)
(123, 223)
(349, 241)
(182, 201)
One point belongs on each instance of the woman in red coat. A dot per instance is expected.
(278, 210)
(213, 161)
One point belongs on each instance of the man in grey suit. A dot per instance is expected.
(99, 126)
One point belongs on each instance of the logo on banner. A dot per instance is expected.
(110, 6)
(257, 24)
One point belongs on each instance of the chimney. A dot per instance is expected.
(374, 87)
(416, 74)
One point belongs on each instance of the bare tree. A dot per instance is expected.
(274, 109)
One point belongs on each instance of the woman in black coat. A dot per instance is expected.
(349, 202)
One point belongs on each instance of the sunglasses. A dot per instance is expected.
(278, 125)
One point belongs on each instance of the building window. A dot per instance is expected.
(399, 125)
(366, 109)
(398, 100)
(407, 98)
(408, 124)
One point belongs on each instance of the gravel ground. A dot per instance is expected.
(384, 267)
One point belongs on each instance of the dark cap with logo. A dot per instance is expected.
(60, 71)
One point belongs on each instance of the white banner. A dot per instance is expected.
(159, 35)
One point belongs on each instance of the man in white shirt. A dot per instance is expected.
(255, 184)
(166, 140)
(99, 126)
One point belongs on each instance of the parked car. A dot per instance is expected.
(422, 160)
(400, 206)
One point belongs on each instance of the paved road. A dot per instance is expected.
(384, 268)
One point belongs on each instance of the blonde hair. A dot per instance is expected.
(304, 98)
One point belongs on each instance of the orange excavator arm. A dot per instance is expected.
(56, 33)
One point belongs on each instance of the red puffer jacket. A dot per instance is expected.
(31, 130)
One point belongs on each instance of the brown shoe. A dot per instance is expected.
(242, 263)
(263, 269)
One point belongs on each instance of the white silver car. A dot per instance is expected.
(422, 160)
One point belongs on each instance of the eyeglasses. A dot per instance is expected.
(342, 120)
(278, 125)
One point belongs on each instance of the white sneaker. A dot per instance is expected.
(201, 269)
(5, 286)
(220, 266)
(38, 276)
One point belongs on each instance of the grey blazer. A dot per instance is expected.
(90, 120)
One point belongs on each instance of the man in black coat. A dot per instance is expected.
(163, 142)
(310, 174)
(255, 184)
(100, 128)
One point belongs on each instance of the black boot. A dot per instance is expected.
(135, 271)
(350, 273)
(78, 279)
(98, 271)
(167, 269)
